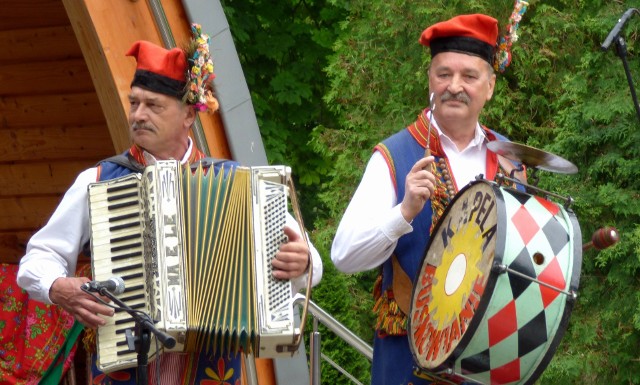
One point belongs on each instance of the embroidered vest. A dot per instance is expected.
(401, 151)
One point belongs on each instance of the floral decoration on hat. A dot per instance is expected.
(199, 88)
(503, 53)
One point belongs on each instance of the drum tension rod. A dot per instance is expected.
(500, 269)
(568, 200)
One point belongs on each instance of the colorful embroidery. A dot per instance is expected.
(138, 155)
(221, 376)
(105, 378)
(31, 332)
(384, 151)
(391, 320)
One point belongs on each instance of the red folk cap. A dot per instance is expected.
(475, 34)
(159, 69)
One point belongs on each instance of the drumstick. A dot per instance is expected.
(602, 238)
(432, 107)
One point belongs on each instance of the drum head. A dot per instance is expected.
(454, 276)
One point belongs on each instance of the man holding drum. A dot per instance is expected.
(411, 178)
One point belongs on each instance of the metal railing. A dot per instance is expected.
(321, 316)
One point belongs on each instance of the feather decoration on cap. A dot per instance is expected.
(199, 89)
(503, 53)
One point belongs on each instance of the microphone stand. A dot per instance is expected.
(141, 342)
(621, 50)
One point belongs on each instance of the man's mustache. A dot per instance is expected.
(459, 97)
(143, 126)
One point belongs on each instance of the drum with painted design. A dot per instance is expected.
(495, 290)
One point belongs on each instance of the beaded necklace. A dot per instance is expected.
(446, 187)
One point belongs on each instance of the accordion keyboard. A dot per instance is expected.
(117, 250)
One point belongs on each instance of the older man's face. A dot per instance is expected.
(462, 85)
(159, 123)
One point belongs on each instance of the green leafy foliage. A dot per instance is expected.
(330, 79)
(283, 47)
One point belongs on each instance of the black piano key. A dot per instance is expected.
(124, 226)
(124, 217)
(133, 288)
(131, 297)
(115, 250)
(126, 238)
(131, 276)
(116, 258)
(119, 197)
(122, 187)
(117, 206)
(124, 269)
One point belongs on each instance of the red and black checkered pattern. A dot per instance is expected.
(524, 320)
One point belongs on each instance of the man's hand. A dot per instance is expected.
(419, 186)
(293, 258)
(66, 292)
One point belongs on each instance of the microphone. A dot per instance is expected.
(115, 285)
(615, 32)
(602, 238)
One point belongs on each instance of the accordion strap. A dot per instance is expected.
(126, 161)
(303, 232)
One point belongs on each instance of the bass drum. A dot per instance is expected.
(495, 290)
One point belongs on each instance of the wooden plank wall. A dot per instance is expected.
(52, 119)
(51, 122)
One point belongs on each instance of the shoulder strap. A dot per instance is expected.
(125, 161)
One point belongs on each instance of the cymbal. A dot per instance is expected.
(532, 157)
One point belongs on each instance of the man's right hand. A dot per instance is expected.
(419, 187)
(66, 292)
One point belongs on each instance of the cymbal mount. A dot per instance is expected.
(567, 201)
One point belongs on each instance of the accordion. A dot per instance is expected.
(194, 247)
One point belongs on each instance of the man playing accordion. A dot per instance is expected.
(166, 93)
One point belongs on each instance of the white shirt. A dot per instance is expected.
(372, 223)
(53, 251)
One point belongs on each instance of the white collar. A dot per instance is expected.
(150, 159)
(478, 140)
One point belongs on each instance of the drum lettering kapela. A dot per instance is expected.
(454, 276)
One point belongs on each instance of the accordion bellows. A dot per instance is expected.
(194, 247)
